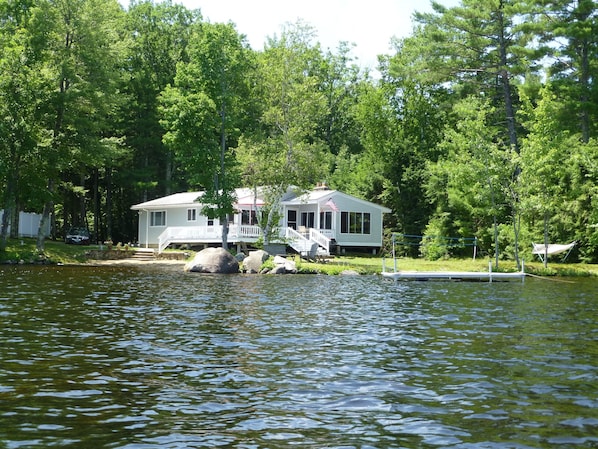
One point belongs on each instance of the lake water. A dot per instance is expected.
(152, 357)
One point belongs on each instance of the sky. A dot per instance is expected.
(369, 24)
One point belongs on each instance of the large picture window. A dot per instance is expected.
(355, 222)
(158, 218)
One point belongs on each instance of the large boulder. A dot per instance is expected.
(213, 260)
(253, 262)
(284, 266)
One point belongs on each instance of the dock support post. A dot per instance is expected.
(490, 271)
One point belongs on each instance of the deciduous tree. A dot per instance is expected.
(286, 151)
(205, 111)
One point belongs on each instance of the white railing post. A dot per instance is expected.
(296, 240)
(202, 234)
(320, 239)
(163, 240)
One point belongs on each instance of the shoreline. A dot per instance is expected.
(133, 262)
(100, 262)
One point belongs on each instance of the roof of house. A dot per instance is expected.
(322, 196)
(189, 199)
(245, 197)
(176, 199)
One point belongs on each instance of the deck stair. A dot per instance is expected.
(143, 254)
(308, 245)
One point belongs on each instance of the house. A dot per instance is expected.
(321, 220)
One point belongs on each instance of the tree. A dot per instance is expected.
(469, 184)
(286, 151)
(478, 47)
(158, 36)
(421, 111)
(21, 83)
(78, 52)
(204, 112)
(568, 29)
(339, 82)
(558, 179)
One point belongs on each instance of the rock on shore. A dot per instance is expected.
(213, 260)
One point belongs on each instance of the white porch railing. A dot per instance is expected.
(321, 239)
(299, 243)
(206, 234)
(303, 244)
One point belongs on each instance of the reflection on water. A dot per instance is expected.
(158, 358)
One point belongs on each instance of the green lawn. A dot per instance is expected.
(24, 250)
(59, 252)
(372, 265)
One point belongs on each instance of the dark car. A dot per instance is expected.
(78, 236)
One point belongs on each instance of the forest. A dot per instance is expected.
(482, 122)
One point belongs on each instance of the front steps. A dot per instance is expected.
(144, 254)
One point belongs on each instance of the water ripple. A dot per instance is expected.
(150, 358)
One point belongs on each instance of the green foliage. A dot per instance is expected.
(204, 111)
(286, 150)
(463, 134)
(472, 182)
(433, 246)
(157, 35)
(24, 251)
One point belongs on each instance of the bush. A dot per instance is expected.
(433, 246)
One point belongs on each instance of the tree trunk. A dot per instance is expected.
(224, 222)
(48, 208)
(4, 227)
(506, 84)
(585, 92)
(82, 205)
(168, 173)
(268, 228)
(516, 228)
(545, 239)
(109, 202)
(15, 219)
(509, 116)
(96, 204)
(495, 223)
(9, 202)
(221, 183)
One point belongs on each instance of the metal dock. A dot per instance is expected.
(488, 276)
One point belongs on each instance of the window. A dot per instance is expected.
(326, 220)
(191, 214)
(292, 219)
(366, 223)
(355, 222)
(248, 217)
(158, 218)
(308, 219)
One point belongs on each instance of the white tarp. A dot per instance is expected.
(28, 224)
